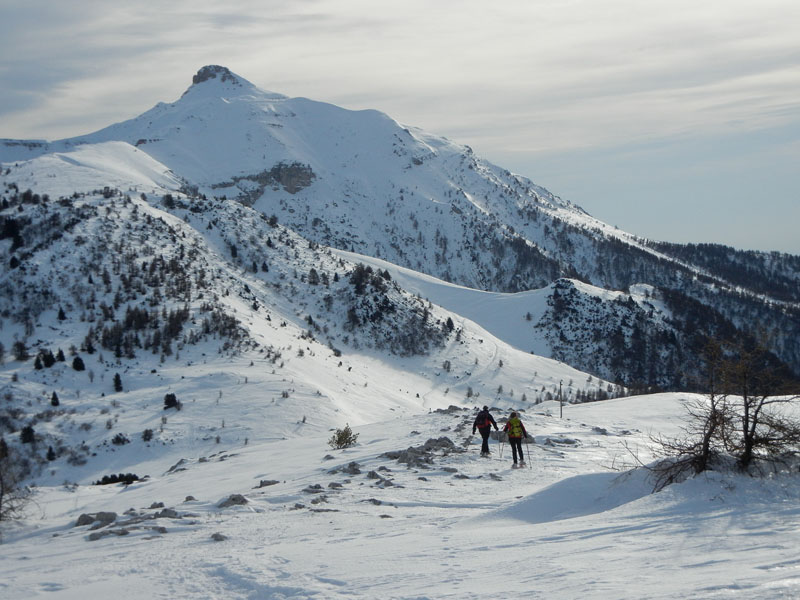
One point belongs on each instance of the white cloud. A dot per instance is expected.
(577, 72)
(535, 76)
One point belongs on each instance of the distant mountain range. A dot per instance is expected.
(556, 281)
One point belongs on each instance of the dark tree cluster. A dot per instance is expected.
(140, 329)
(126, 478)
(635, 350)
(11, 228)
(120, 439)
(363, 275)
(46, 359)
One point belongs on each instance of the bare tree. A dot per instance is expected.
(13, 495)
(742, 416)
(760, 392)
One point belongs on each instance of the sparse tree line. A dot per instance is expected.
(621, 341)
(17, 462)
(773, 273)
(107, 283)
(122, 281)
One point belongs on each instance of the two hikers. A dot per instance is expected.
(514, 427)
(516, 431)
(483, 423)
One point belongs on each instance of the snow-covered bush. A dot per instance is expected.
(343, 438)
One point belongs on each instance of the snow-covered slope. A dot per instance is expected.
(359, 181)
(293, 518)
(110, 164)
(531, 320)
(165, 284)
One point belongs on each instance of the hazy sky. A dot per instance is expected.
(673, 120)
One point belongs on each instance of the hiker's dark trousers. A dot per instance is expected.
(516, 447)
(484, 431)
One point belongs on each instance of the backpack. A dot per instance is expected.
(515, 428)
(482, 420)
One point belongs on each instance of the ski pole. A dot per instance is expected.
(502, 443)
(528, 450)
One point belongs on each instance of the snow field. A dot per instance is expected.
(567, 526)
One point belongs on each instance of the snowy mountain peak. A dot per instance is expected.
(219, 80)
(212, 71)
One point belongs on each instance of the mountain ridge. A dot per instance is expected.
(359, 181)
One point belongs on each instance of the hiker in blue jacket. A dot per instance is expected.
(483, 423)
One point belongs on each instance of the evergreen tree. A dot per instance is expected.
(54, 401)
(78, 364)
(27, 435)
(48, 360)
(171, 401)
(117, 383)
(20, 350)
(343, 438)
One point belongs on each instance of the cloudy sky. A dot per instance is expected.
(674, 120)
